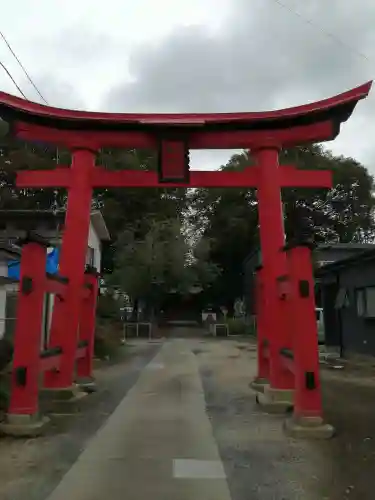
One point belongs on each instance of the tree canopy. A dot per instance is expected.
(229, 217)
(177, 238)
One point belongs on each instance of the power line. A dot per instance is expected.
(22, 67)
(325, 32)
(13, 80)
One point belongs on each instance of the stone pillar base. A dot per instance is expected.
(308, 428)
(66, 400)
(87, 384)
(258, 384)
(275, 400)
(17, 425)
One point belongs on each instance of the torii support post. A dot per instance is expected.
(261, 307)
(23, 417)
(84, 373)
(279, 393)
(66, 314)
(307, 420)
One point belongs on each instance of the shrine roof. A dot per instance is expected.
(337, 109)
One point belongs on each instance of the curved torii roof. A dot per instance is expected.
(336, 109)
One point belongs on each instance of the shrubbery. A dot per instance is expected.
(238, 326)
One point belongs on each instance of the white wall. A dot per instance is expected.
(3, 298)
(94, 242)
(3, 268)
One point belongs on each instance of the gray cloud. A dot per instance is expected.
(264, 57)
(58, 93)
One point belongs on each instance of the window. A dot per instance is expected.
(365, 299)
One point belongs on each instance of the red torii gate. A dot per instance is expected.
(172, 135)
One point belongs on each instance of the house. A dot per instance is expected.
(348, 301)
(326, 257)
(328, 253)
(322, 255)
(13, 225)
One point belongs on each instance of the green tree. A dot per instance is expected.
(148, 265)
(229, 217)
(16, 155)
(163, 260)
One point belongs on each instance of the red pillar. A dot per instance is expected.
(272, 239)
(261, 310)
(66, 314)
(307, 399)
(27, 338)
(87, 326)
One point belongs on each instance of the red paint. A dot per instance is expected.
(294, 177)
(266, 350)
(87, 119)
(173, 161)
(66, 314)
(307, 402)
(100, 177)
(264, 133)
(27, 337)
(261, 310)
(87, 327)
(288, 364)
(51, 363)
(57, 177)
(273, 260)
(81, 353)
(195, 139)
(54, 286)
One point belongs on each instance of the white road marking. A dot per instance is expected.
(198, 469)
(155, 366)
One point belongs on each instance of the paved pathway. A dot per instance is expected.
(157, 444)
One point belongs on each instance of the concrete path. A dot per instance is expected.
(157, 444)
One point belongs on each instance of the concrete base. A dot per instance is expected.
(87, 385)
(258, 384)
(275, 400)
(23, 425)
(308, 428)
(62, 401)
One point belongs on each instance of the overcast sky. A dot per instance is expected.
(196, 56)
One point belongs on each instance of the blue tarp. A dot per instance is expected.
(51, 267)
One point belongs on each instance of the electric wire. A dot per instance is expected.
(13, 80)
(22, 67)
(328, 34)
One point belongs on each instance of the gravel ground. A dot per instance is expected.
(349, 403)
(31, 469)
(260, 462)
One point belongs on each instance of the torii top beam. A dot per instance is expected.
(318, 121)
(174, 134)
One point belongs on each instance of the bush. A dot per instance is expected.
(238, 326)
(108, 337)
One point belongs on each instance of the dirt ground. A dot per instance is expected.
(349, 404)
(30, 469)
(338, 469)
(259, 461)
